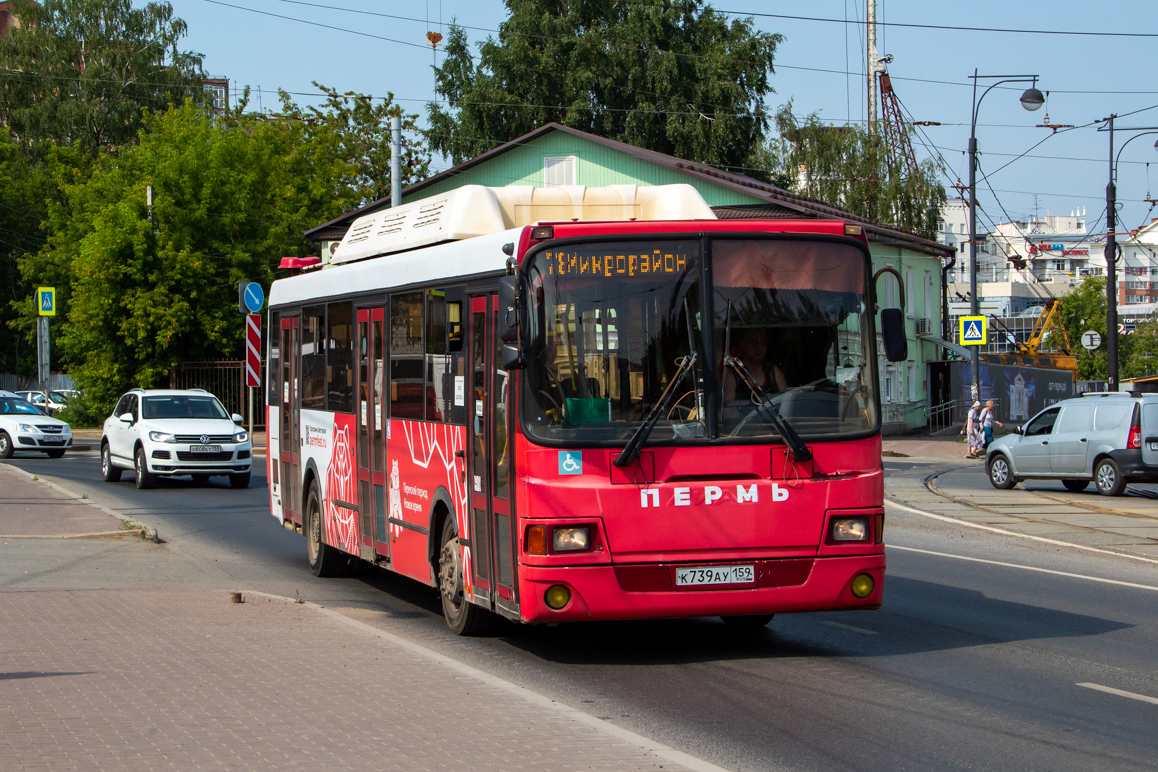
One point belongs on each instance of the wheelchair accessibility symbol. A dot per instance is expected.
(570, 462)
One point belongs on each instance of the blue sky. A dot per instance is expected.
(1066, 172)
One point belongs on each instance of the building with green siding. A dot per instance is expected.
(555, 155)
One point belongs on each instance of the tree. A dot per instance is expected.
(24, 191)
(352, 126)
(141, 289)
(850, 168)
(1084, 309)
(675, 76)
(83, 71)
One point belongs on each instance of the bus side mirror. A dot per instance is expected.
(512, 357)
(893, 334)
(512, 317)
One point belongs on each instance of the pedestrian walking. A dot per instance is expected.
(973, 431)
(987, 421)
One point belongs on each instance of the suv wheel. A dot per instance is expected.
(1000, 475)
(108, 471)
(1108, 478)
(143, 477)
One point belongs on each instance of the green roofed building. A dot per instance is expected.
(555, 155)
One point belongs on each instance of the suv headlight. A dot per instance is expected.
(240, 437)
(27, 428)
(162, 437)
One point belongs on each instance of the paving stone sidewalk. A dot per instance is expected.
(33, 508)
(136, 679)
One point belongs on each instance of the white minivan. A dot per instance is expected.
(1109, 438)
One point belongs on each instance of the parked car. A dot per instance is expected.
(54, 402)
(1108, 438)
(164, 433)
(24, 426)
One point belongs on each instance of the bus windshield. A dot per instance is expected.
(616, 331)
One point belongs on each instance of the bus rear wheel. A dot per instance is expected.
(324, 559)
(747, 621)
(462, 616)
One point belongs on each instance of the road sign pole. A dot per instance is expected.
(251, 414)
(43, 352)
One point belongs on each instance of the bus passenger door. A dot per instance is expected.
(492, 533)
(290, 442)
(371, 463)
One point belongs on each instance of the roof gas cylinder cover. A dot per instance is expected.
(476, 210)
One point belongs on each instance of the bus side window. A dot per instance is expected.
(273, 361)
(340, 358)
(406, 356)
(445, 392)
(313, 396)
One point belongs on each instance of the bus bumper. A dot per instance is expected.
(640, 591)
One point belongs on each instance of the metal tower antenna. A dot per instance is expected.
(897, 139)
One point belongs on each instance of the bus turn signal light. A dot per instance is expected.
(557, 596)
(536, 541)
(862, 585)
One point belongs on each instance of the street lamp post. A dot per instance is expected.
(1112, 248)
(1031, 100)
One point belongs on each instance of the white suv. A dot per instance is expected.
(23, 426)
(159, 432)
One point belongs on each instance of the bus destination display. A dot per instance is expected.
(567, 262)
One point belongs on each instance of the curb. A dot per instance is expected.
(136, 527)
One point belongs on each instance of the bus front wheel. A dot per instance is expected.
(462, 616)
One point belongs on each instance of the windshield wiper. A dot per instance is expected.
(800, 451)
(631, 449)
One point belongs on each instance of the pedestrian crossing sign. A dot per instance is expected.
(46, 301)
(973, 331)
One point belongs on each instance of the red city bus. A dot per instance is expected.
(589, 420)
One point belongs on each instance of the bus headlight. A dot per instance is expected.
(850, 529)
(862, 585)
(571, 539)
(557, 596)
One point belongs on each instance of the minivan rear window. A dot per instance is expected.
(1110, 416)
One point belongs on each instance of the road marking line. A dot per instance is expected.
(1005, 532)
(1024, 568)
(539, 700)
(843, 626)
(1120, 693)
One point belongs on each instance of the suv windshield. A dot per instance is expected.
(182, 406)
(612, 322)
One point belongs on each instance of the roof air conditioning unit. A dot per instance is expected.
(924, 326)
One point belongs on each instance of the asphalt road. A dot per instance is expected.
(969, 665)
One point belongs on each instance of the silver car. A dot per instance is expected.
(1109, 438)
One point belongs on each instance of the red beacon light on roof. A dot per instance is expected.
(296, 265)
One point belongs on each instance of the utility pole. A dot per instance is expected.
(1111, 272)
(395, 161)
(873, 62)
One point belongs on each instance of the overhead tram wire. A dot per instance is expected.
(913, 25)
(846, 72)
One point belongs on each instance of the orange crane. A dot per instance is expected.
(1029, 353)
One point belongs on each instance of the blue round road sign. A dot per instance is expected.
(254, 297)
